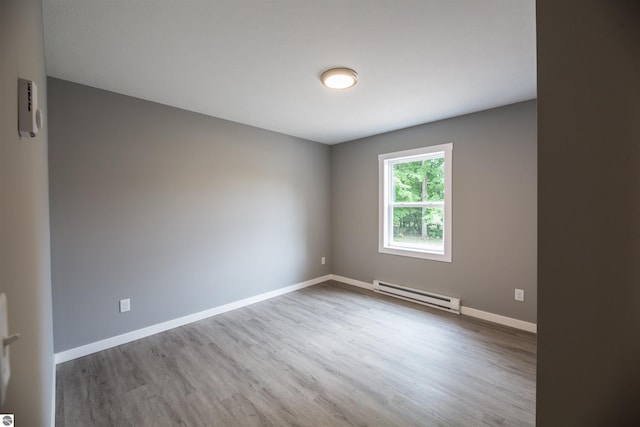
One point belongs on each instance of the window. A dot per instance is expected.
(415, 203)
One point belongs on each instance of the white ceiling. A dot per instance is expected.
(258, 62)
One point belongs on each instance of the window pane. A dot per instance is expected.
(419, 228)
(419, 181)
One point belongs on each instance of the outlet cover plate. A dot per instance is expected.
(125, 305)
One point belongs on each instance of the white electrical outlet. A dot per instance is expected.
(519, 295)
(125, 305)
(323, 260)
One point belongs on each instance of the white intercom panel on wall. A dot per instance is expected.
(29, 115)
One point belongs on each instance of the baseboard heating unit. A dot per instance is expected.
(421, 297)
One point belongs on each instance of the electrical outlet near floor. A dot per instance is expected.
(125, 305)
(323, 260)
(519, 295)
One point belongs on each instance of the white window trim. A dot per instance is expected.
(385, 216)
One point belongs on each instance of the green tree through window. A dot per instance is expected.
(420, 181)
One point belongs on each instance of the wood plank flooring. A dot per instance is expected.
(328, 355)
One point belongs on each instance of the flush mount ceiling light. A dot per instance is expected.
(339, 78)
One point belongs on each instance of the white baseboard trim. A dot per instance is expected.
(352, 282)
(502, 320)
(84, 350)
(94, 347)
(467, 311)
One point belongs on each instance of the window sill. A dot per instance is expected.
(415, 253)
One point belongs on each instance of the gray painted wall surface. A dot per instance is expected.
(589, 213)
(494, 210)
(24, 222)
(178, 211)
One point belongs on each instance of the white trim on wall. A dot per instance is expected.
(352, 282)
(85, 350)
(502, 320)
(467, 311)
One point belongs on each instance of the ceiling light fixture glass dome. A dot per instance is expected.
(339, 78)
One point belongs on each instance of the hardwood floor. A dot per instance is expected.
(328, 355)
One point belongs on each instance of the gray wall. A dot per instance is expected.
(24, 225)
(589, 213)
(494, 210)
(178, 211)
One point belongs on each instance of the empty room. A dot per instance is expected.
(319, 213)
